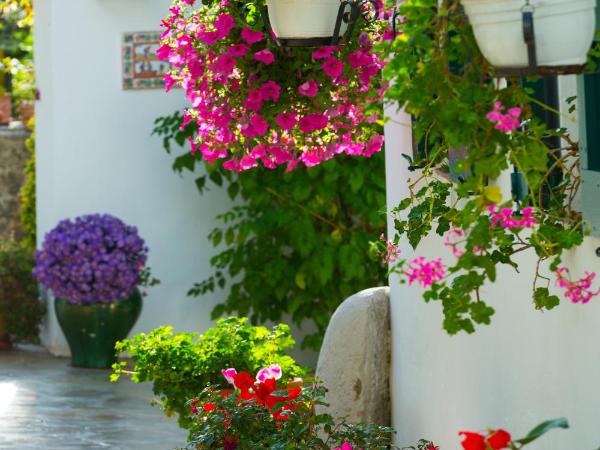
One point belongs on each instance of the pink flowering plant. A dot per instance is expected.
(255, 103)
(438, 75)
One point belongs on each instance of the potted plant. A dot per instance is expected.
(564, 31)
(181, 365)
(257, 103)
(21, 311)
(263, 412)
(93, 265)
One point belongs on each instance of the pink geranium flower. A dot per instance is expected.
(505, 122)
(392, 252)
(265, 56)
(426, 273)
(309, 88)
(577, 291)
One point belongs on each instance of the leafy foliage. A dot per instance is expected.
(252, 426)
(19, 296)
(297, 244)
(28, 196)
(181, 365)
(439, 76)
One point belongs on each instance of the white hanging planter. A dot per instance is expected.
(304, 19)
(564, 31)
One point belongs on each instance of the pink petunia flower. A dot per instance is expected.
(333, 67)
(323, 52)
(238, 50)
(229, 374)
(270, 91)
(224, 24)
(374, 145)
(225, 64)
(251, 36)
(254, 100)
(286, 121)
(313, 122)
(309, 88)
(272, 372)
(265, 56)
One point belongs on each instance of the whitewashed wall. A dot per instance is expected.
(95, 153)
(526, 367)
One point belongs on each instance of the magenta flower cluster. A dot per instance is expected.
(91, 259)
(506, 122)
(507, 218)
(254, 104)
(579, 291)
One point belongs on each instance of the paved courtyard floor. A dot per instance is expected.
(45, 404)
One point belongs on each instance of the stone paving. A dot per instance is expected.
(45, 404)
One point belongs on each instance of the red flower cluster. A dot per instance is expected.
(496, 440)
(262, 393)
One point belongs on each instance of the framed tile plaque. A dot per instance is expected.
(141, 67)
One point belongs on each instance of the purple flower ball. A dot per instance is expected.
(92, 259)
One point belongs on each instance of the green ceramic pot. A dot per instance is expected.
(93, 330)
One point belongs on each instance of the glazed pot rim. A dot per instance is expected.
(136, 293)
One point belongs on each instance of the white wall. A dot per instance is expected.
(526, 367)
(95, 153)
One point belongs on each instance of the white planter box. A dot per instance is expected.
(304, 19)
(564, 31)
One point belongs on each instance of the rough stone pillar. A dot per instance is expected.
(354, 362)
(13, 156)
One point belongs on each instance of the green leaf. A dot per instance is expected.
(542, 429)
(543, 299)
(300, 280)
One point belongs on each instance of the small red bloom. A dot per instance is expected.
(243, 381)
(499, 439)
(209, 407)
(472, 441)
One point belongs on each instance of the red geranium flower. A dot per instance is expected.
(243, 381)
(499, 439)
(473, 441)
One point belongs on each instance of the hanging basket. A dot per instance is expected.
(536, 37)
(315, 23)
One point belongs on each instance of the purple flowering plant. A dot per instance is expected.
(94, 258)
